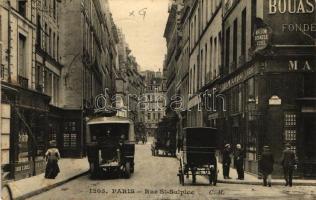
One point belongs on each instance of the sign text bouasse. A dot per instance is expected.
(292, 6)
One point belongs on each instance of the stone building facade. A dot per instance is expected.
(56, 57)
(257, 59)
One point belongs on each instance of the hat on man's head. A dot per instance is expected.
(238, 146)
(227, 145)
(266, 147)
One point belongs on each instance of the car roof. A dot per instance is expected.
(109, 120)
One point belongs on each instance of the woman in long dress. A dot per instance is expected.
(52, 156)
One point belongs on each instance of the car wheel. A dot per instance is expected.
(127, 170)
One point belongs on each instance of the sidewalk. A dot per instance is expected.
(251, 179)
(69, 169)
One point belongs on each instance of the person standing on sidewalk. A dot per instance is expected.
(52, 156)
(289, 163)
(226, 161)
(266, 165)
(239, 161)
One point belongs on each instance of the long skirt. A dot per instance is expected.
(52, 169)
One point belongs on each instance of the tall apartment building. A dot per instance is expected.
(260, 72)
(205, 54)
(129, 82)
(183, 58)
(269, 79)
(154, 99)
(56, 56)
(21, 105)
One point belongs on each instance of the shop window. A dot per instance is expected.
(290, 129)
(251, 146)
(70, 135)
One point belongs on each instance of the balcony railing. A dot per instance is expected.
(23, 82)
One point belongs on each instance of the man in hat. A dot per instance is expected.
(239, 161)
(289, 163)
(266, 165)
(226, 161)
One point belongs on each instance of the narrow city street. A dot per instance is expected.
(155, 178)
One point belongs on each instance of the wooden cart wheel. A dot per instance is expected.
(6, 193)
(182, 179)
(127, 172)
(215, 178)
(93, 170)
(193, 175)
(181, 173)
(193, 178)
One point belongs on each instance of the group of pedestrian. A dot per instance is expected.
(288, 162)
(238, 161)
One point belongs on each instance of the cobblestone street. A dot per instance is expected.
(155, 177)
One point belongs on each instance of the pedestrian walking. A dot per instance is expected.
(239, 161)
(52, 156)
(289, 164)
(266, 165)
(226, 161)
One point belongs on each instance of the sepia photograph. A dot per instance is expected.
(158, 99)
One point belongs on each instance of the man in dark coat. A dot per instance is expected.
(239, 161)
(226, 161)
(266, 165)
(289, 163)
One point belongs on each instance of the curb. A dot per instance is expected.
(44, 189)
(260, 183)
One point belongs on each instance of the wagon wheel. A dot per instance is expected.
(193, 170)
(215, 177)
(94, 172)
(181, 173)
(127, 172)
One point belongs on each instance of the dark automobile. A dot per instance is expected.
(197, 156)
(110, 146)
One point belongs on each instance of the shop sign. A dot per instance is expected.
(22, 167)
(262, 37)
(238, 79)
(275, 100)
(293, 21)
(296, 65)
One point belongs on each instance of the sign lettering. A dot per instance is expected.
(295, 65)
(292, 6)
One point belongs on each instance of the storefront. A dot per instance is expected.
(267, 103)
(27, 128)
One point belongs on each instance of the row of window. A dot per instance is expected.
(231, 43)
(47, 39)
(204, 13)
(48, 82)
